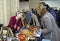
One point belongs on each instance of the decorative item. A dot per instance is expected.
(21, 37)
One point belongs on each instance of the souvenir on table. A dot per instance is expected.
(24, 35)
(4, 33)
(15, 39)
(21, 37)
(26, 32)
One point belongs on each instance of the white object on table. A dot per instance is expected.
(46, 40)
(10, 38)
(4, 32)
(4, 36)
(17, 34)
(38, 34)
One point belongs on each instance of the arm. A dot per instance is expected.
(48, 24)
(10, 26)
(11, 32)
(10, 23)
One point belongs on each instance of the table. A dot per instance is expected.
(10, 38)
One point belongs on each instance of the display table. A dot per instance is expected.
(26, 34)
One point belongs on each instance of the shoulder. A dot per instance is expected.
(13, 16)
(46, 17)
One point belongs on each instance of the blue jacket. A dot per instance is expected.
(33, 11)
(53, 13)
(28, 16)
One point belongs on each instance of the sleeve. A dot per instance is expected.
(10, 23)
(48, 24)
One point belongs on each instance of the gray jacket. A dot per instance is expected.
(50, 28)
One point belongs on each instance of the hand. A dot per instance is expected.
(18, 28)
(15, 26)
(41, 30)
(22, 18)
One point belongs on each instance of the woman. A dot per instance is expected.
(15, 22)
(50, 29)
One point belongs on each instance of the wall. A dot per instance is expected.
(29, 5)
(24, 5)
(8, 8)
(1, 11)
(33, 3)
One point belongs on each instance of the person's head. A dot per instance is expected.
(48, 8)
(19, 14)
(42, 10)
(46, 5)
(39, 8)
(41, 5)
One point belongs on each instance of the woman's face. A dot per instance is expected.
(19, 15)
(41, 10)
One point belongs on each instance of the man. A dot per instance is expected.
(15, 22)
(50, 29)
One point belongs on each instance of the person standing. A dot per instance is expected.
(50, 29)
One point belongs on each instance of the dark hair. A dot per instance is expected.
(43, 3)
(32, 9)
(47, 7)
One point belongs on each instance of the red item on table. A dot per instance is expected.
(21, 37)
